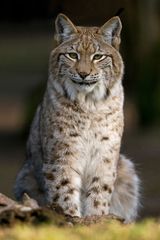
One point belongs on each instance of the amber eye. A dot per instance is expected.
(72, 55)
(98, 57)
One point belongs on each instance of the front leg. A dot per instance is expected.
(99, 189)
(63, 188)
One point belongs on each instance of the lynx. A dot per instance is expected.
(73, 150)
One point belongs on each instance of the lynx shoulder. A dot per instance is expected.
(73, 149)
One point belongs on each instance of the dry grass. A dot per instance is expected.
(148, 229)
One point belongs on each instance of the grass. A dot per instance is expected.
(148, 229)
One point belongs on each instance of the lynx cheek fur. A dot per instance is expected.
(73, 157)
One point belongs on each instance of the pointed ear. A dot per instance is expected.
(111, 32)
(64, 28)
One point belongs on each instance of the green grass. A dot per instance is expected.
(108, 230)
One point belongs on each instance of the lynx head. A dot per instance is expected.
(86, 59)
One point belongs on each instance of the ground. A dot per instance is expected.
(110, 230)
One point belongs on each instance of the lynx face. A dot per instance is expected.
(87, 66)
(87, 58)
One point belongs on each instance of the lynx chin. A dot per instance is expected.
(73, 151)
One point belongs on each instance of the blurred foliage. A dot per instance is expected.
(148, 88)
(141, 49)
(35, 98)
(27, 57)
(110, 230)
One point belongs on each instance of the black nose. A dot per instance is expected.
(83, 75)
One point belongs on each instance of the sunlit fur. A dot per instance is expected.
(73, 150)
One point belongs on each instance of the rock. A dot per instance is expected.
(5, 201)
(29, 211)
(29, 202)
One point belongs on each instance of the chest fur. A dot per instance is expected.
(85, 135)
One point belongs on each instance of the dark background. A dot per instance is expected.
(26, 38)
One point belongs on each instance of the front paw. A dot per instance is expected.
(66, 208)
(72, 210)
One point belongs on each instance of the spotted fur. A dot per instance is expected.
(73, 148)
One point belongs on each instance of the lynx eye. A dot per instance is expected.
(99, 57)
(72, 56)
